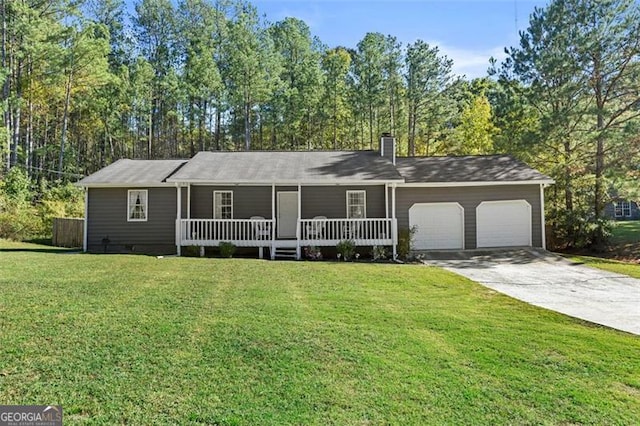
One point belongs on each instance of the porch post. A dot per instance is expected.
(298, 221)
(394, 223)
(542, 218)
(85, 236)
(386, 200)
(178, 217)
(272, 250)
(189, 201)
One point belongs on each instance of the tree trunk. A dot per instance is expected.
(5, 85)
(218, 119)
(65, 122)
(247, 123)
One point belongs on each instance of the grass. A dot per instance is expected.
(625, 242)
(626, 232)
(626, 268)
(139, 340)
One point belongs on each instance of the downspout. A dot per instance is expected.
(542, 218)
(85, 236)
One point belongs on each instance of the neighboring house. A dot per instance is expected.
(622, 209)
(288, 200)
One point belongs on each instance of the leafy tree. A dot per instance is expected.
(578, 61)
(474, 135)
(335, 65)
(253, 66)
(369, 74)
(300, 78)
(428, 77)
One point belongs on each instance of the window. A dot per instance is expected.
(137, 205)
(622, 208)
(223, 204)
(356, 204)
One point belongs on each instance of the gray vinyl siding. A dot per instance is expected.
(108, 214)
(329, 201)
(247, 201)
(469, 198)
(610, 212)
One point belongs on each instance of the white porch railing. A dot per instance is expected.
(363, 232)
(261, 232)
(241, 232)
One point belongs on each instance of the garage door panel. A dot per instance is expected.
(503, 223)
(439, 225)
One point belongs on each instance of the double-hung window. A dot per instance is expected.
(137, 205)
(223, 204)
(622, 209)
(356, 204)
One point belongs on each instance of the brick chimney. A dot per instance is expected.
(388, 147)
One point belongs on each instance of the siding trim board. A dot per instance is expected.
(470, 184)
(290, 183)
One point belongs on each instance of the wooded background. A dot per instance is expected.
(86, 84)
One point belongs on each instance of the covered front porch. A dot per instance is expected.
(288, 228)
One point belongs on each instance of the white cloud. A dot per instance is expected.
(472, 63)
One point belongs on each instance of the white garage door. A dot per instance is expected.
(503, 223)
(439, 226)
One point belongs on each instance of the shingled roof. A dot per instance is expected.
(287, 167)
(133, 172)
(315, 167)
(467, 169)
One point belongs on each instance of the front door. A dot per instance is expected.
(287, 214)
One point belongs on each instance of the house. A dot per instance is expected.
(622, 209)
(282, 201)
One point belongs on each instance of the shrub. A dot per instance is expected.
(19, 221)
(579, 230)
(346, 249)
(405, 241)
(61, 201)
(227, 249)
(313, 253)
(379, 253)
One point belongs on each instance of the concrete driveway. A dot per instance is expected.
(550, 281)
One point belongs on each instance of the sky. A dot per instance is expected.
(467, 31)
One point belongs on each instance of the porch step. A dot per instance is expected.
(284, 253)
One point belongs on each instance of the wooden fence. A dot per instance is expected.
(68, 232)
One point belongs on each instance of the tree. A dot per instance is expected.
(369, 73)
(202, 79)
(428, 77)
(300, 77)
(474, 135)
(578, 61)
(155, 30)
(335, 65)
(253, 67)
(85, 67)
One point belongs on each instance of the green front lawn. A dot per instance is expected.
(138, 340)
(631, 269)
(626, 232)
